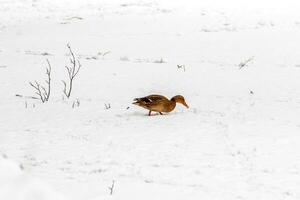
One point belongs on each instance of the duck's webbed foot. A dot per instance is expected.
(160, 113)
(149, 114)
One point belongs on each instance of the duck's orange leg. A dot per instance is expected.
(149, 114)
(160, 113)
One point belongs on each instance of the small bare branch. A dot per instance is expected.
(40, 90)
(112, 188)
(181, 67)
(79, 66)
(246, 62)
(76, 103)
(26, 97)
(65, 88)
(37, 87)
(107, 106)
(72, 72)
(105, 53)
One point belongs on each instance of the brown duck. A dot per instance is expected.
(159, 103)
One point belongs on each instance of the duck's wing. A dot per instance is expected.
(156, 98)
(148, 100)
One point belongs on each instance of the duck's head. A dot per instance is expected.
(180, 99)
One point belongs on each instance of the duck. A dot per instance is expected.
(159, 103)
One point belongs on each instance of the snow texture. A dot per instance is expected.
(236, 63)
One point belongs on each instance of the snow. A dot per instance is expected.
(239, 139)
(18, 186)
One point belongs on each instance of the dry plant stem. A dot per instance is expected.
(112, 187)
(107, 52)
(48, 72)
(181, 67)
(107, 106)
(41, 91)
(246, 62)
(72, 72)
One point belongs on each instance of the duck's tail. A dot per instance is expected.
(136, 101)
(141, 101)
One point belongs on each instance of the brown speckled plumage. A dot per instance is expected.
(159, 103)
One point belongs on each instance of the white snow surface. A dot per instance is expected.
(238, 140)
(18, 186)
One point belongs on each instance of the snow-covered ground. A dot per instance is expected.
(239, 139)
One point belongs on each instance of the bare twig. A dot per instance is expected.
(112, 188)
(37, 87)
(72, 72)
(107, 106)
(105, 53)
(159, 61)
(76, 103)
(48, 82)
(181, 67)
(65, 88)
(26, 97)
(40, 90)
(246, 62)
